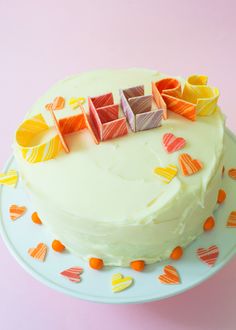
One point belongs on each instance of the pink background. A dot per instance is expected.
(44, 42)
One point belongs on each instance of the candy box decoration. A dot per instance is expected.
(105, 117)
(139, 109)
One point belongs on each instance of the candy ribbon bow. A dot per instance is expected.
(196, 99)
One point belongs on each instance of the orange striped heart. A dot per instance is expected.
(16, 211)
(39, 252)
(232, 173)
(57, 104)
(170, 276)
(188, 165)
(231, 222)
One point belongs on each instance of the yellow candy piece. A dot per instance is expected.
(120, 283)
(39, 152)
(166, 173)
(197, 92)
(9, 178)
(75, 103)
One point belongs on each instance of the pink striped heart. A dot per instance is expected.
(208, 255)
(73, 274)
(172, 143)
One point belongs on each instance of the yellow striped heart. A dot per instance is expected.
(166, 173)
(75, 103)
(120, 283)
(9, 178)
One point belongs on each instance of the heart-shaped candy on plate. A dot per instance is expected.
(170, 276)
(120, 283)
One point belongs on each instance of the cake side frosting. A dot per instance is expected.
(105, 201)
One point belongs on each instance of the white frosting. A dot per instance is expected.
(104, 200)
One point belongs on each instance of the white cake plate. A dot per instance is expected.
(21, 234)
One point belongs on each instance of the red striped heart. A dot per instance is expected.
(73, 274)
(172, 143)
(208, 255)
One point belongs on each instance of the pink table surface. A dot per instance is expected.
(43, 42)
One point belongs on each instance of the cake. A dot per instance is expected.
(136, 186)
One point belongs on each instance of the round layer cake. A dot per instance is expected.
(105, 201)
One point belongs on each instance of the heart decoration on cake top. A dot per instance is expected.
(166, 173)
(120, 283)
(189, 166)
(16, 211)
(170, 276)
(73, 274)
(172, 143)
(208, 255)
(232, 173)
(76, 102)
(39, 252)
(9, 178)
(57, 104)
(231, 222)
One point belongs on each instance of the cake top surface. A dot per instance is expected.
(115, 180)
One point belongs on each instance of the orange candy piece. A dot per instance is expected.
(170, 275)
(189, 166)
(221, 196)
(232, 173)
(39, 252)
(231, 222)
(58, 246)
(137, 265)
(209, 224)
(177, 253)
(16, 211)
(57, 104)
(35, 218)
(96, 263)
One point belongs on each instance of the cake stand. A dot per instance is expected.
(22, 234)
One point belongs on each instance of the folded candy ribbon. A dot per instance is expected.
(37, 125)
(196, 99)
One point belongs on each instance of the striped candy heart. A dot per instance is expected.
(166, 173)
(75, 103)
(231, 222)
(188, 165)
(39, 252)
(9, 178)
(72, 274)
(172, 143)
(232, 173)
(208, 255)
(57, 104)
(16, 211)
(170, 275)
(120, 283)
